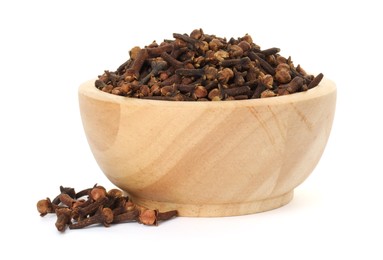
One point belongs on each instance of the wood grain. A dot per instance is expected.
(208, 158)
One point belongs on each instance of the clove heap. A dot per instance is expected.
(96, 206)
(203, 67)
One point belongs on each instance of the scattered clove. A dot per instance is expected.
(64, 216)
(100, 207)
(45, 206)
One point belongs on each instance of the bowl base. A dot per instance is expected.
(218, 210)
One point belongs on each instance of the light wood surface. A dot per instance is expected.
(216, 158)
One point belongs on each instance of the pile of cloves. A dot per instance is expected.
(203, 67)
(95, 206)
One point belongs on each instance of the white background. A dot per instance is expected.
(48, 48)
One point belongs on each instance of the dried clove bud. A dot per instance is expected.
(128, 216)
(200, 92)
(268, 93)
(147, 217)
(45, 206)
(214, 94)
(291, 87)
(67, 200)
(64, 216)
(103, 216)
(97, 193)
(282, 74)
(161, 216)
(225, 75)
(315, 81)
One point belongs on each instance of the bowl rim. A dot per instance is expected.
(325, 87)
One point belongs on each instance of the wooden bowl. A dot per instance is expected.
(217, 158)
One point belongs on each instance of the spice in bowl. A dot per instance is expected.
(203, 67)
